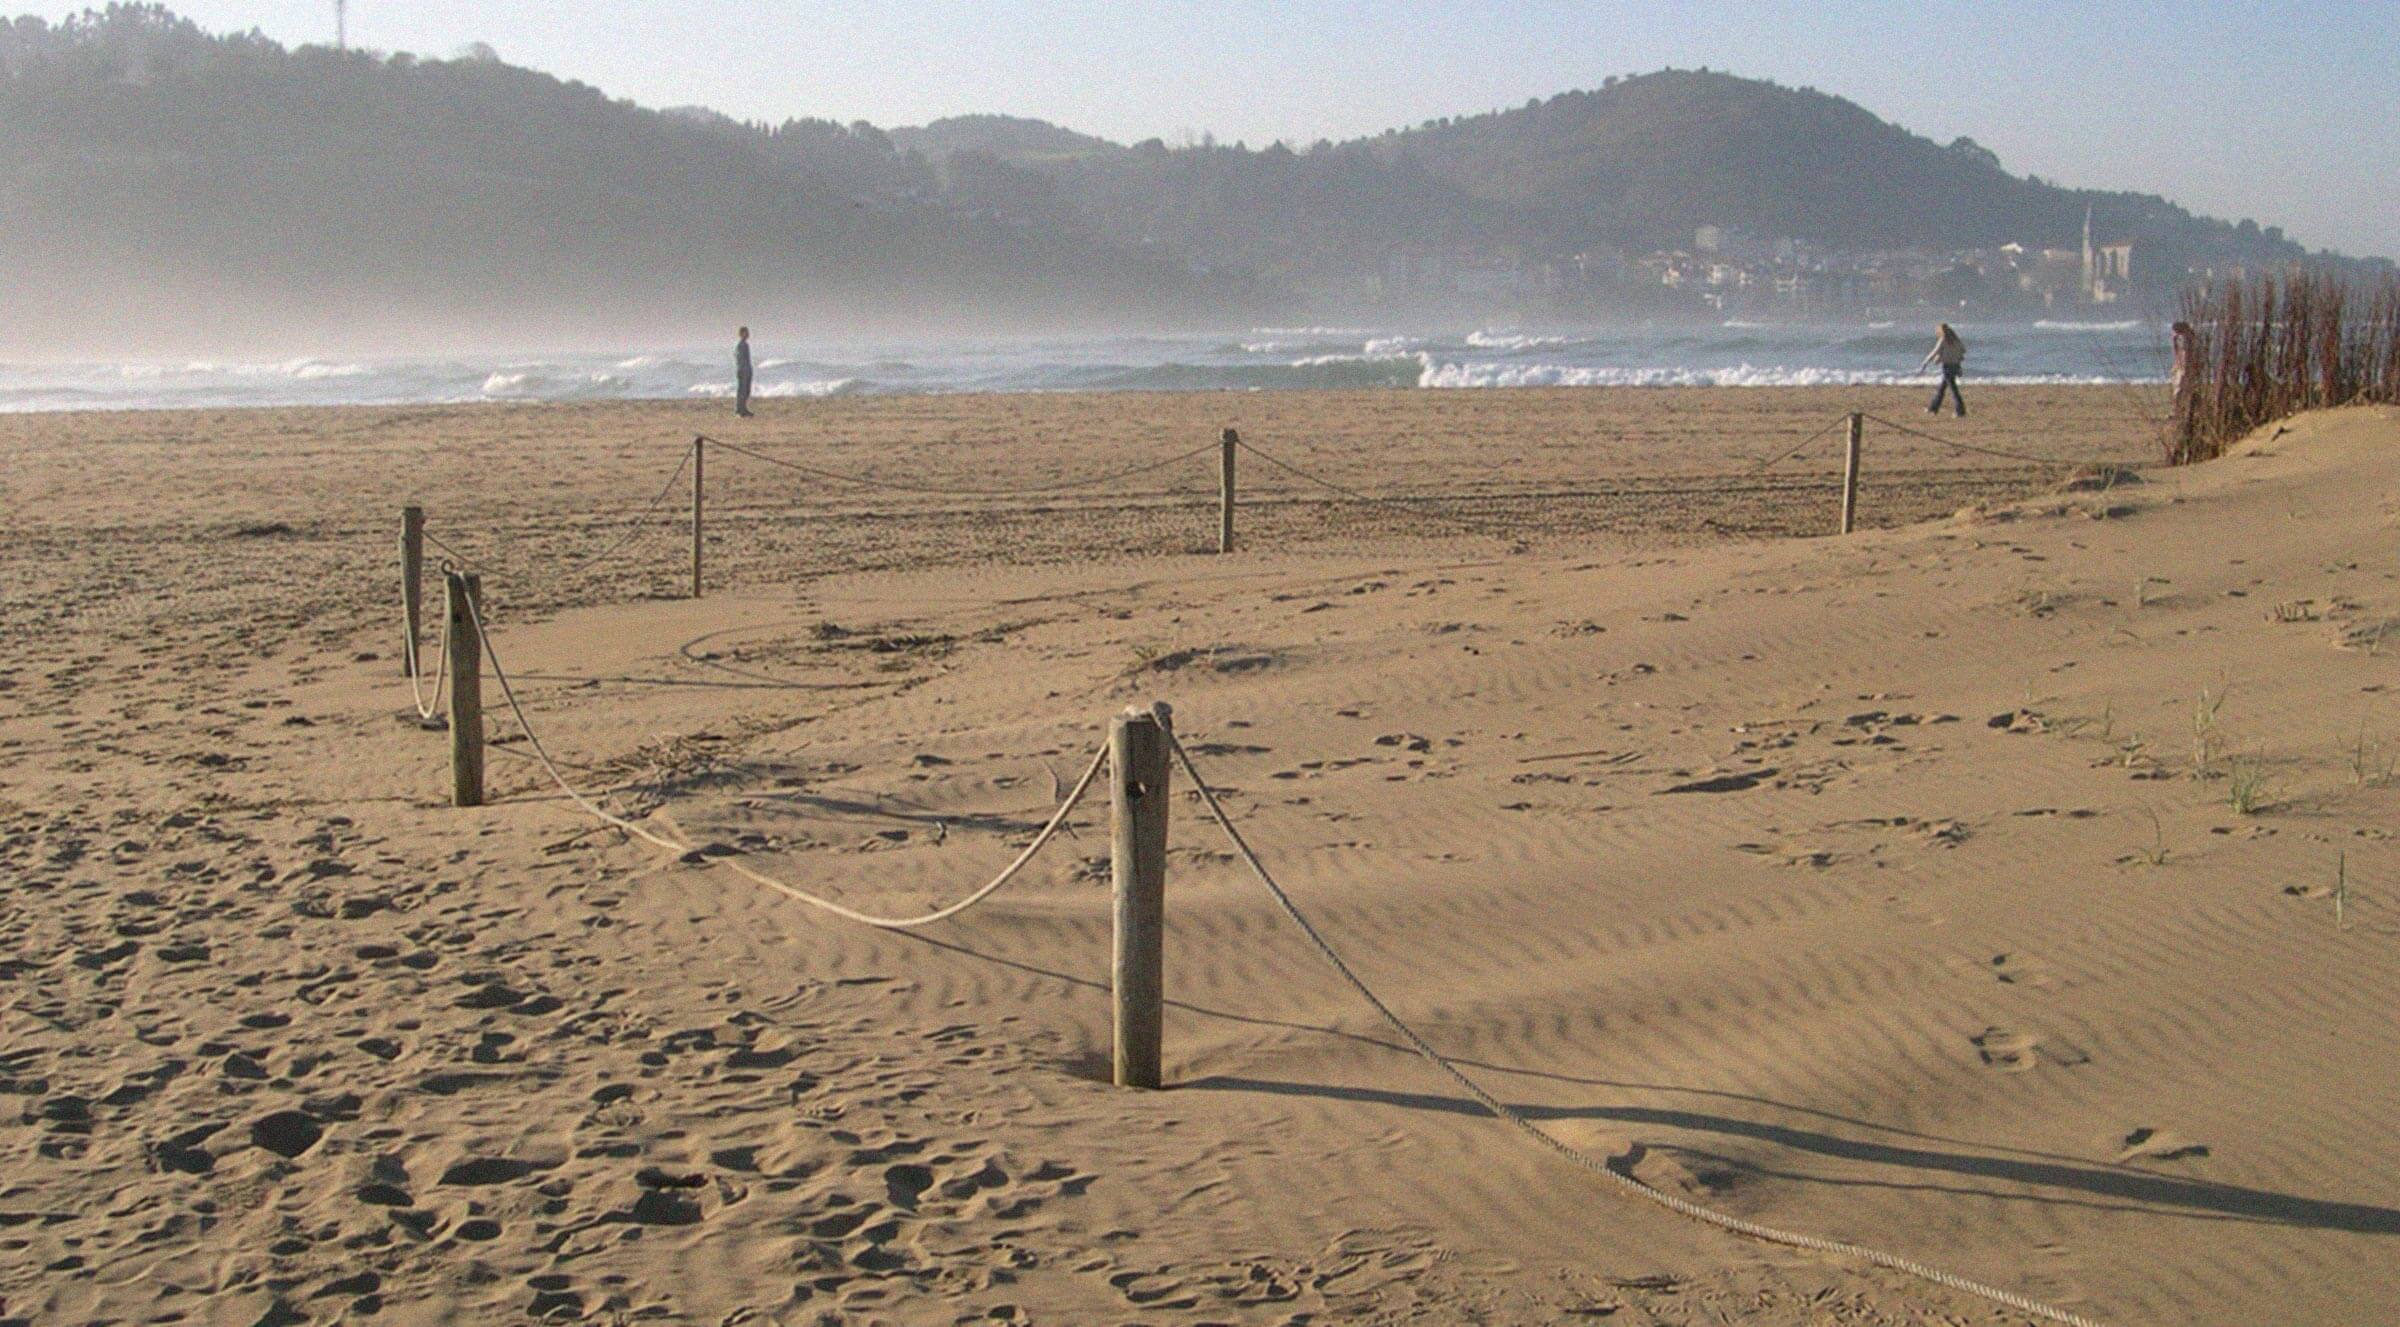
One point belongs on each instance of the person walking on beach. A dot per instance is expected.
(741, 374)
(1952, 352)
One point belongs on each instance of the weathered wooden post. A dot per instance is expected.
(699, 465)
(412, 588)
(1137, 752)
(1229, 441)
(466, 689)
(1858, 429)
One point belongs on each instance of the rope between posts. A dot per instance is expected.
(2051, 461)
(901, 486)
(1804, 445)
(463, 560)
(426, 709)
(1493, 1105)
(593, 808)
(1480, 527)
(1510, 1116)
(638, 529)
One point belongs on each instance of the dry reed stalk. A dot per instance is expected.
(2267, 346)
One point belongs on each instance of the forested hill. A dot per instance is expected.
(165, 185)
(1645, 160)
(1635, 165)
(199, 187)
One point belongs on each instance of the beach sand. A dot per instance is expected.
(1890, 888)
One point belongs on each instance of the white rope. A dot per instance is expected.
(1508, 1115)
(1040, 840)
(904, 486)
(2050, 462)
(1413, 504)
(426, 709)
(635, 527)
(1802, 446)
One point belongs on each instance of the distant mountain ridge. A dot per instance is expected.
(1010, 137)
(1642, 163)
(160, 182)
(153, 175)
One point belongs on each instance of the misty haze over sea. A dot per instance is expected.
(1734, 354)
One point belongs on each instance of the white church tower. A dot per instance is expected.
(2090, 291)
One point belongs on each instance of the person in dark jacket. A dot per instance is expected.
(741, 374)
(1952, 352)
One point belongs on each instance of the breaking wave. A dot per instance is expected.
(1457, 375)
(1490, 340)
(815, 387)
(1731, 353)
(539, 385)
(1319, 372)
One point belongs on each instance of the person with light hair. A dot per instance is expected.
(1952, 352)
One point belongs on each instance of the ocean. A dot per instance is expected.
(1732, 354)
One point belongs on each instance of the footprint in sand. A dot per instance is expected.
(1904, 908)
(2009, 1052)
(2018, 970)
(2148, 1144)
(1154, 1290)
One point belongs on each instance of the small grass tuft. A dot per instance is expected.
(2207, 739)
(2156, 853)
(2372, 763)
(2246, 785)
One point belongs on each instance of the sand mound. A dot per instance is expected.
(1711, 860)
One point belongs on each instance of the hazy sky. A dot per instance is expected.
(2272, 109)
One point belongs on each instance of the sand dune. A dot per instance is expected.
(1966, 889)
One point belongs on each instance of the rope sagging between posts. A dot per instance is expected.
(939, 490)
(1410, 504)
(675, 845)
(428, 706)
(1804, 444)
(1498, 1109)
(636, 527)
(2051, 462)
(1516, 1120)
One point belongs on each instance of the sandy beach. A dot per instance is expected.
(1988, 886)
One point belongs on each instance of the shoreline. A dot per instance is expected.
(1726, 354)
(1885, 395)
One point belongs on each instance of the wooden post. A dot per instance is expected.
(1137, 752)
(699, 464)
(412, 588)
(1858, 428)
(466, 690)
(1229, 441)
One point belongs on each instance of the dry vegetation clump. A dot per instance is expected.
(2267, 346)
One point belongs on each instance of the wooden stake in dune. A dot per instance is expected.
(1137, 753)
(412, 587)
(466, 689)
(1228, 442)
(699, 465)
(1858, 429)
